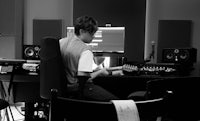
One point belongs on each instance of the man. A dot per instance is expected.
(78, 60)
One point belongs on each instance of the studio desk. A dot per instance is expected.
(20, 85)
(185, 88)
(26, 88)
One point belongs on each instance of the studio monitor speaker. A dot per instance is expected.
(179, 55)
(31, 52)
(46, 27)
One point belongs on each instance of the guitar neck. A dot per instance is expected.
(115, 68)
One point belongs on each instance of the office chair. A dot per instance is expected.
(155, 89)
(51, 68)
(74, 110)
(52, 74)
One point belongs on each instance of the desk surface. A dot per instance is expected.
(34, 77)
(26, 85)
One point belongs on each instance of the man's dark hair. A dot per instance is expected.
(85, 23)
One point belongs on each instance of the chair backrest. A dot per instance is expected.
(74, 110)
(156, 88)
(151, 109)
(51, 68)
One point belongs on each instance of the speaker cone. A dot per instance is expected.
(170, 56)
(184, 55)
(29, 52)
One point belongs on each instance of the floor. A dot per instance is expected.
(18, 113)
(13, 113)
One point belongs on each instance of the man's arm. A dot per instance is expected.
(85, 67)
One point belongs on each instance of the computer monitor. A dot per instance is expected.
(106, 39)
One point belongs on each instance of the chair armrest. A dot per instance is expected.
(82, 81)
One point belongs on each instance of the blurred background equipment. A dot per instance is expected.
(186, 56)
(31, 52)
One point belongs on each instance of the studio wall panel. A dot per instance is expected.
(42, 28)
(7, 21)
(11, 28)
(173, 34)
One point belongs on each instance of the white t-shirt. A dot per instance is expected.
(86, 62)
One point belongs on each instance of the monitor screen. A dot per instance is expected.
(106, 39)
(102, 61)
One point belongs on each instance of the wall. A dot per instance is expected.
(5, 43)
(46, 9)
(22, 28)
(156, 9)
(128, 13)
(11, 23)
(172, 10)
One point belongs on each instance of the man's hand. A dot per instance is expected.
(117, 73)
(104, 72)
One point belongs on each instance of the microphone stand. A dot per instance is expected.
(151, 57)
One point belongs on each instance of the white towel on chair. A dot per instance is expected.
(126, 110)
